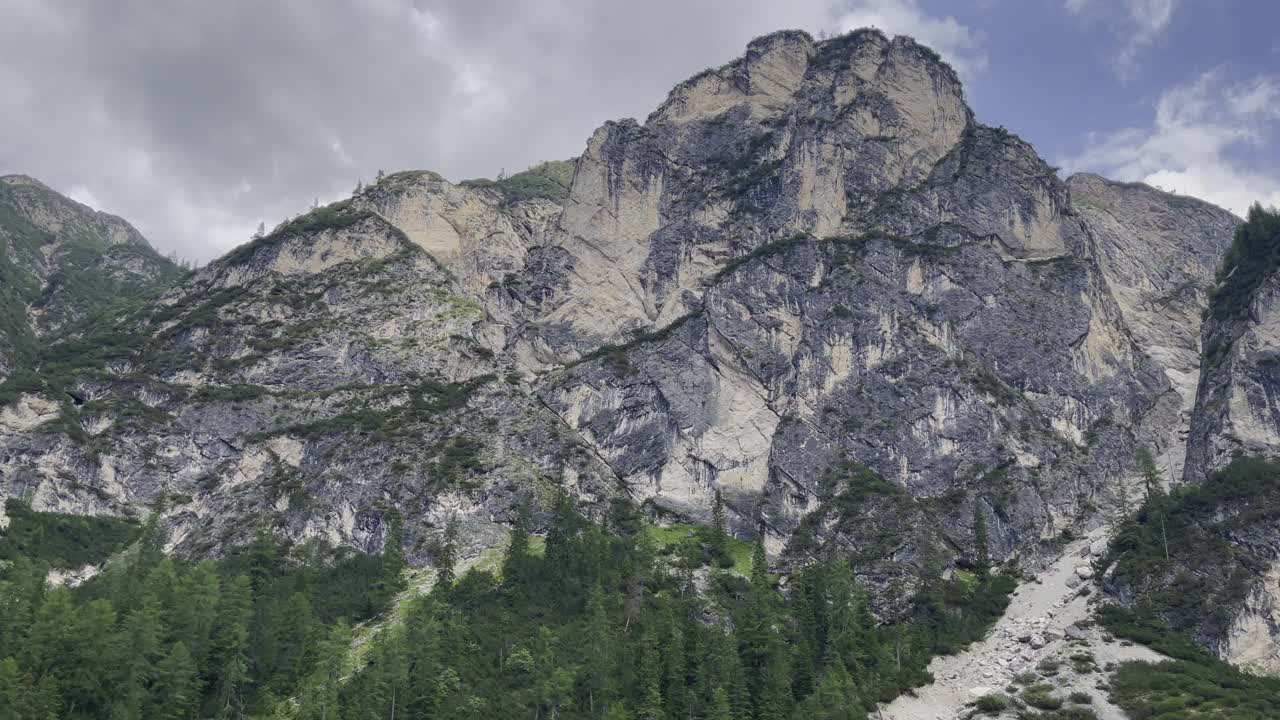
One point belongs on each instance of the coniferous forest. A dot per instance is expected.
(598, 623)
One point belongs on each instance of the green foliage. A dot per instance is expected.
(1176, 551)
(548, 181)
(1041, 696)
(151, 637)
(992, 704)
(615, 356)
(1193, 685)
(598, 625)
(769, 249)
(694, 546)
(62, 541)
(1254, 254)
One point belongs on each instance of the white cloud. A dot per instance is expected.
(959, 44)
(1137, 23)
(1199, 134)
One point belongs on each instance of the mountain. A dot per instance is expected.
(61, 262)
(810, 284)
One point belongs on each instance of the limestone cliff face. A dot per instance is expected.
(794, 137)
(1237, 406)
(805, 269)
(1160, 285)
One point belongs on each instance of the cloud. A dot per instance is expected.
(1136, 23)
(198, 120)
(960, 45)
(1204, 141)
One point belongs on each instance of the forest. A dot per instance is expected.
(600, 621)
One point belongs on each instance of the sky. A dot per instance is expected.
(196, 120)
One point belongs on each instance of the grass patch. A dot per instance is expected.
(692, 546)
(546, 181)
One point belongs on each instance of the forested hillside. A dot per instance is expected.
(604, 620)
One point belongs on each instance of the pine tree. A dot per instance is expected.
(835, 699)
(517, 555)
(1156, 499)
(447, 554)
(719, 529)
(393, 563)
(291, 638)
(982, 556)
(562, 555)
(318, 699)
(177, 687)
(597, 670)
(720, 708)
(930, 605)
(231, 647)
(195, 611)
(1147, 468)
(674, 682)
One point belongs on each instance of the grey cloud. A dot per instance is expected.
(196, 120)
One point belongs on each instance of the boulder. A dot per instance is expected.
(1075, 632)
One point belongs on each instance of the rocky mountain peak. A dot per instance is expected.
(810, 283)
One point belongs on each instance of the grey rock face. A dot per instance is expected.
(1236, 407)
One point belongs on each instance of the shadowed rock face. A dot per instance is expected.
(806, 262)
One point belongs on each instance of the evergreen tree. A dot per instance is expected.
(1156, 498)
(835, 699)
(176, 690)
(720, 708)
(447, 554)
(393, 564)
(517, 555)
(598, 668)
(719, 530)
(318, 699)
(230, 648)
(982, 556)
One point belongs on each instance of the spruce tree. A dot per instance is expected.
(177, 687)
(231, 647)
(318, 699)
(982, 557)
(447, 554)
(719, 530)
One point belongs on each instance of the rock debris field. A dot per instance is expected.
(1046, 633)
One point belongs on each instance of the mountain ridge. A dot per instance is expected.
(811, 283)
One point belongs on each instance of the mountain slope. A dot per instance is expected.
(60, 262)
(810, 281)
